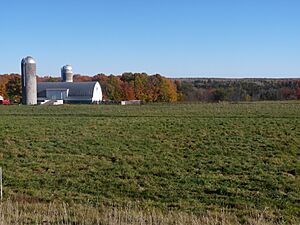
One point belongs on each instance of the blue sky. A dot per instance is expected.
(176, 38)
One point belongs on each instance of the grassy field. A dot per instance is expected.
(189, 158)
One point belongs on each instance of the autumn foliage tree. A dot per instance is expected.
(3, 90)
(140, 86)
(297, 92)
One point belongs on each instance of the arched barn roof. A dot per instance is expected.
(75, 89)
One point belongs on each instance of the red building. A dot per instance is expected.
(4, 102)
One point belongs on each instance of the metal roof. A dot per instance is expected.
(67, 68)
(84, 89)
(28, 59)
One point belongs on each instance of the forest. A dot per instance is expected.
(156, 88)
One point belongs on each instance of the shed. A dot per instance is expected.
(131, 102)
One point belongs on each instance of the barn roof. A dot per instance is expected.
(75, 89)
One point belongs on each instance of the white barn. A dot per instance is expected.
(70, 92)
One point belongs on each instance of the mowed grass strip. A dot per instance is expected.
(187, 157)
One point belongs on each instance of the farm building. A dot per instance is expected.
(69, 92)
(131, 102)
(56, 92)
(3, 101)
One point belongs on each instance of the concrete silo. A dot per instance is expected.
(67, 73)
(29, 83)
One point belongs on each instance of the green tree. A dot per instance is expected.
(219, 95)
(14, 89)
(114, 89)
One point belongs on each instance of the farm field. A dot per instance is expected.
(188, 158)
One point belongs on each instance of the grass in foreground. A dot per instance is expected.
(65, 214)
(187, 158)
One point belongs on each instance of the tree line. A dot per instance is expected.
(205, 89)
(156, 88)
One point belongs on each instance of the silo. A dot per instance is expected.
(67, 73)
(29, 83)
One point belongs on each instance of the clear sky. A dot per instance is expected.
(176, 38)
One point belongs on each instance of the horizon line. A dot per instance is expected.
(178, 77)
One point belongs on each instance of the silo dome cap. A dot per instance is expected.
(28, 59)
(67, 68)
